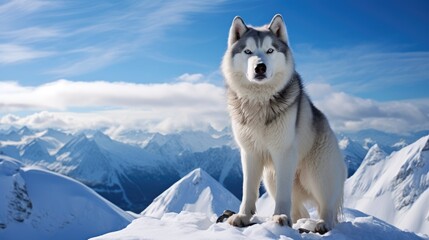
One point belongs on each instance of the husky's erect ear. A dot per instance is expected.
(278, 27)
(238, 28)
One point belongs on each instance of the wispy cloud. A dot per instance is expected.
(11, 53)
(31, 34)
(110, 30)
(362, 68)
(22, 6)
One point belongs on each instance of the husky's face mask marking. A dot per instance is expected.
(259, 53)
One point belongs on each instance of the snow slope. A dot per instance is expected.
(198, 225)
(189, 225)
(395, 187)
(195, 192)
(38, 204)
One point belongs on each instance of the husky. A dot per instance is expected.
(283, 138)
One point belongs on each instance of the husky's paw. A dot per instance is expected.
(239, 220)
(322, 227)
(282, 220)
(225, 215)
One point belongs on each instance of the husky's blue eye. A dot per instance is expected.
(247, 51)
(270, 50)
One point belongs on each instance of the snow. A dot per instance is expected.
(38, 204)
(398, 182)
(195, 225)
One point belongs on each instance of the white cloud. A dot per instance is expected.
(65, 94)
(182, 105)
(350, 113)
(191, 77)
(155, 107)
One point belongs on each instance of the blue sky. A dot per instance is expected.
(371, 53)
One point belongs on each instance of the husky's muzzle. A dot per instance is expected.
(257, 70)
(260, 70)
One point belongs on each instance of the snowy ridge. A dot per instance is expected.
(398, 182)
(195, 192)
(38, 204)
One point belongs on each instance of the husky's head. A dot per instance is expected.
(258, 57)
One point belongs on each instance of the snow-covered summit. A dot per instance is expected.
(35, 149)
(195, 192)
(353, 153)
(398, 182)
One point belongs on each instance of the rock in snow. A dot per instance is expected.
(39, 204)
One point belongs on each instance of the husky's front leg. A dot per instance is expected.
(285, 162)
(252, 172)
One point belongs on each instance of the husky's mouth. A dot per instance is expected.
(260, 77)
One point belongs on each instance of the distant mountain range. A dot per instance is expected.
(40, 204)
(129, 174)
(136, 166)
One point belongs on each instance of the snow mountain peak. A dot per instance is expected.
(195, 192)
(399, 182)
(196, 175)
(374, 155)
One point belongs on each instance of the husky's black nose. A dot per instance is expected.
(260, 69)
